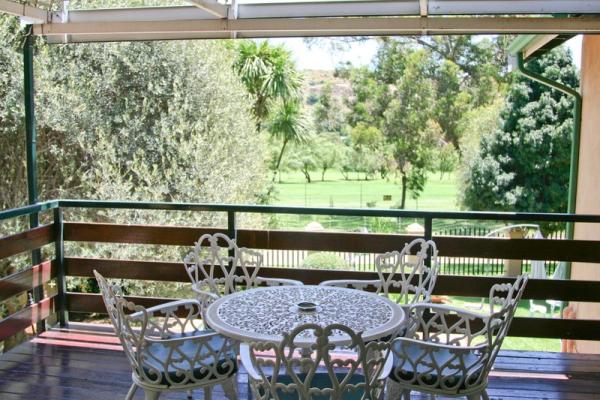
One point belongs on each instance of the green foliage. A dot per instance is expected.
(327, 111)
(323, 260)
(365, 136)
(452, 102)
(447, 159)
(289, 125)
(476, 124)
(303, 159)
(328, 152)
(268, 73)
(132, 121)
(141, 122)
(524, 166)
(12, 130)
(408, 125)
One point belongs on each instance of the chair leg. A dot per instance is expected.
(230, 388)
(151, 395)
(131, 392)
(208, 393)
(393, 391)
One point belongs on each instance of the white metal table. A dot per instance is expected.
(264, 314)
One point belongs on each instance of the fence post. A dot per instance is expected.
(63, 316)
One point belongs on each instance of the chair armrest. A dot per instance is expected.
(447, 309)
(200, 335)
(278, 281)
(169, 308)
(203, 297)
(164, 321)
(353, 283)
(442, 323)
(247, 362)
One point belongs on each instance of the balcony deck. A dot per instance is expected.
(86, 362)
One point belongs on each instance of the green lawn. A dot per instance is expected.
(337, 192)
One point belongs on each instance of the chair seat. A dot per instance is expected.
(180, 369)
(452, 374)
(320, 380)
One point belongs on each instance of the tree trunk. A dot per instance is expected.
(404, 187)
(285, 141)
(323, 174)
(306, 175)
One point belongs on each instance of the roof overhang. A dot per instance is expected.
(536, 45)
(210, 19)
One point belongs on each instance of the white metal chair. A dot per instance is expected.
(167, 352)
(278, 371)
(214, 263)
(407, 270)
(455, 349)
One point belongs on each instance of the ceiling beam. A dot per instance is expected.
(491, 7)
(281, 27)
(212, 6)
(29, 13)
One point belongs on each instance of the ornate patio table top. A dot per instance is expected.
(264, 314)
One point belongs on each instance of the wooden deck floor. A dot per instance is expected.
(80, 364)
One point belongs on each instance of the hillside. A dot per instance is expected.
(314, 81)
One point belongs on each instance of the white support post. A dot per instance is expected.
(424, 8)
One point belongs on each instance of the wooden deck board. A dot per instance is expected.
(86, 362)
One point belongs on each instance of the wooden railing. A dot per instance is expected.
(29, 279)
(73, 265)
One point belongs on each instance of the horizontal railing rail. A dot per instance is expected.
(28, 210)
(369, 212)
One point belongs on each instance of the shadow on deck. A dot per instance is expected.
(86, 363)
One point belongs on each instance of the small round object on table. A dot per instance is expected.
(264, 314)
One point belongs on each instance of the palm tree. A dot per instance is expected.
(269, 74)
(289, 124)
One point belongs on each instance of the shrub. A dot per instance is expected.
(324, 260)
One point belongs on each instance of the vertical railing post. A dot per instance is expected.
(63, 316)
(231, 225)
(232, 233)
(428, 236)
(30, 137)
(30, 128)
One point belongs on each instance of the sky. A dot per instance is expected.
(321, 56)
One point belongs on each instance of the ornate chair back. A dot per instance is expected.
(504, 300)
(286, 371)
(167, 352)
(408, 271)
(120, 311)
(214, 262)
